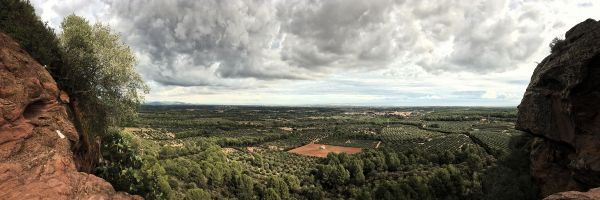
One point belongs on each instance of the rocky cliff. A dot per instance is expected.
(561, 106)
(36, 134)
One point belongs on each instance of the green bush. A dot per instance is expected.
(271, 194)
(197, 194)
(130, 170)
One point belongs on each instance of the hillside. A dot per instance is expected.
(37, 134)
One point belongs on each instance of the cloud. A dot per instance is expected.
(483, 36)
(585, 4)
(489, 94)
(209, 42)
(389, 50)
(212, 42)
(202, 42)
(338, 33)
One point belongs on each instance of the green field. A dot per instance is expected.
(241, 152)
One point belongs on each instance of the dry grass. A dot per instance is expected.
(317, 150)
(229, 150)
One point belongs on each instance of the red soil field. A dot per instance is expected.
(317, 151)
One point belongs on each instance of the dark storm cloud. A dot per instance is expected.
(350, 33)
(214, 42)
(210, 39)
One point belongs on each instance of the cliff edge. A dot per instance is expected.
(561, 107)
(36, 134)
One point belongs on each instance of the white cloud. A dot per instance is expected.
(392, 52)
(489, 94)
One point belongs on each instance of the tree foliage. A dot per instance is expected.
(130, 170)
(89, 62)
(197, 194)
(271, 194)
(101, 70)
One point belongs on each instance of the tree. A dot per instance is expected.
(271, 194)
(101, 68)
(244, 186)
(293, 182)
(447, 157)
(158, 186)
(343, 158)
(364, 194)
(440, 183)
(393, 163)
(99, 75)
(356, 172)
(197, 194)
(419, 185)
(128, 169)
(333, 175)
(275, 182)
(332, 158)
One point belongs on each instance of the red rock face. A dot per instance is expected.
(36, 135)
(562, 108)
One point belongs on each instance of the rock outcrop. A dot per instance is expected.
(36, 161)
(593, 194)
(561, 107)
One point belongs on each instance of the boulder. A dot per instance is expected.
(36, 135)
(561, 107)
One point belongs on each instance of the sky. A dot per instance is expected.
(333, 52)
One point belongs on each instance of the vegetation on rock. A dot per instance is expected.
(556, 45)
(101, 73)
(88, 62)
(18, 20)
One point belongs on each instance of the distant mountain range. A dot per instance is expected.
(162, 103)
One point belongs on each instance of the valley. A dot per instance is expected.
(215, 147)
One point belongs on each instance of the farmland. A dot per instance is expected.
(250, 152)
(321, 150)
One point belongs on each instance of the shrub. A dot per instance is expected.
(197, 194)
(556, 45)
(271, 194)
(127, 169)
